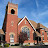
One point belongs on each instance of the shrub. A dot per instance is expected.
(6, 45)
(27, 45)
(0, 46)
(16, 44)
(12, 45)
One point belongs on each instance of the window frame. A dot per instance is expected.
(25, 30)
(12, 11)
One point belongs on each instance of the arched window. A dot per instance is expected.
(12, 11)
(27, 31)
(11, 36)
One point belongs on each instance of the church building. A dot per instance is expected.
(21, 30)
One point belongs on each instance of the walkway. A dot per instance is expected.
(29, 47)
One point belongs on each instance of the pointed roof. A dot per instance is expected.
(33, 23)
(28, 21)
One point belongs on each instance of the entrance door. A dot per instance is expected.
(11, 38)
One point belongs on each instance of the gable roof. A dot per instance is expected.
(28, 21)
(42, 26)
(33, 23)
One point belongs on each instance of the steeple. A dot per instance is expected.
(11, 20)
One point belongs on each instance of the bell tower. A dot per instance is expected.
(11, 23)
(12, 9)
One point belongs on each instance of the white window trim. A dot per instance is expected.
(11, 38)
(11, 41)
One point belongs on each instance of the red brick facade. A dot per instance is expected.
(11, 25)
(14, 19)
(43, 35)
(22, 24)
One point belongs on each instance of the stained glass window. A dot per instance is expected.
(26, 30)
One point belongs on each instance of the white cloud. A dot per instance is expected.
(39, 16)
(43, 13)
(37, 3)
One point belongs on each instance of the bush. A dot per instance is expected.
(6, 45)
(12, 45)
(27, 45)
(16, 44)
(0, 46)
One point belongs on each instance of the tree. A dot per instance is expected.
(22, 37)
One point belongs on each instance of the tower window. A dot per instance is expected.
(12, 11)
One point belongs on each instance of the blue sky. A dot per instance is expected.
(36, 10)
